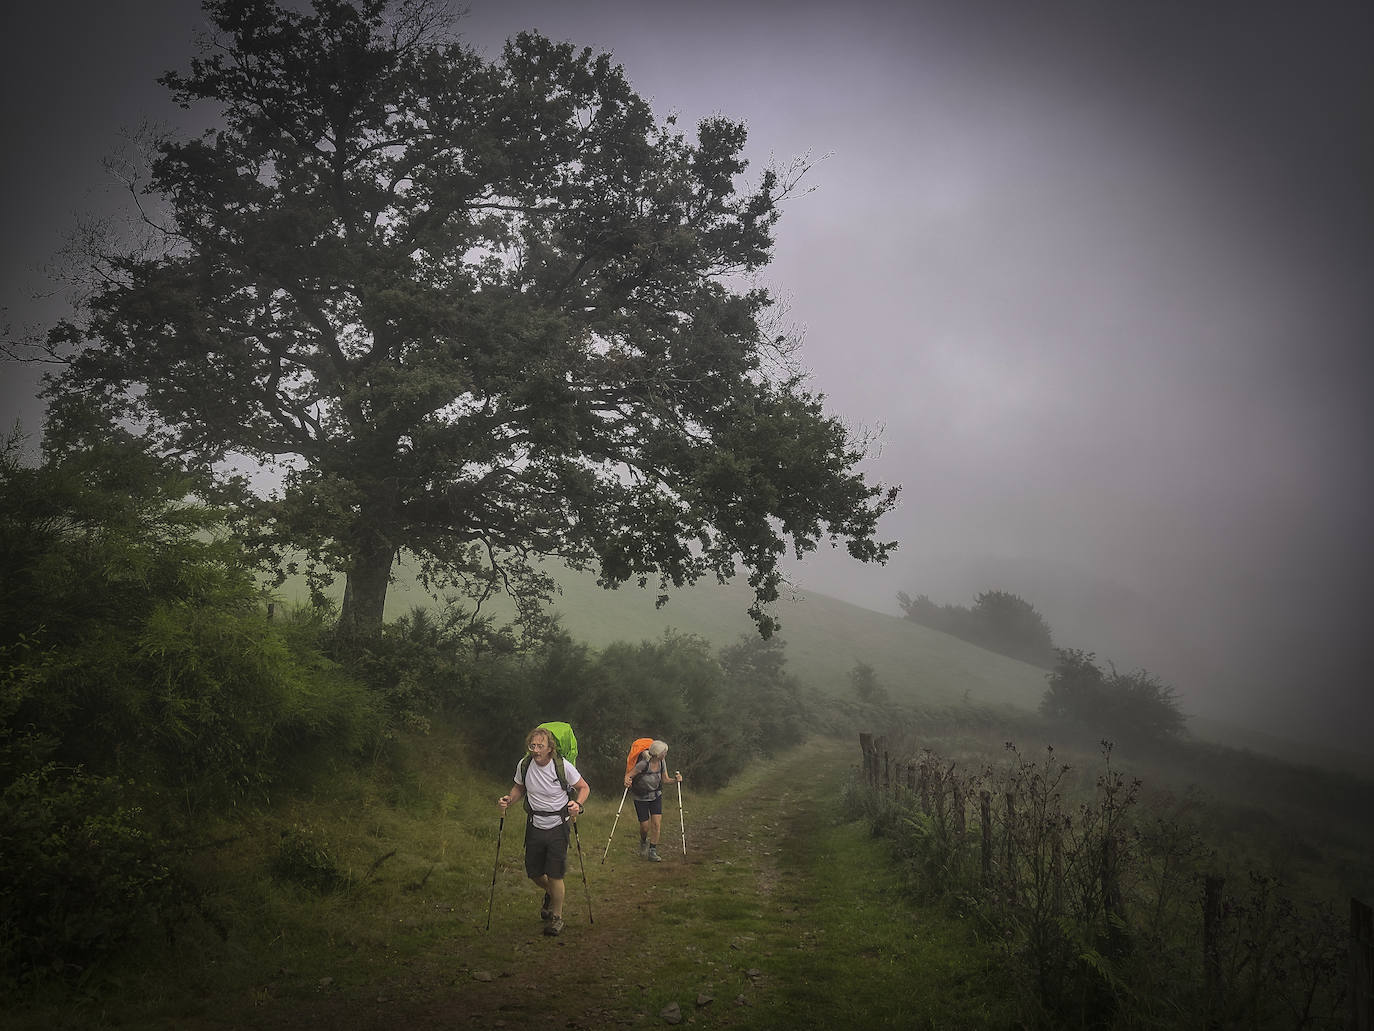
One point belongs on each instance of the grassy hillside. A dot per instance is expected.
(826, 638)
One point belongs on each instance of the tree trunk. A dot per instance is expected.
(364, 600)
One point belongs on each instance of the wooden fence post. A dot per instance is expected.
(925, 785)
(1211, 950)
(1361, 966)
(870, 759)
(887, 766)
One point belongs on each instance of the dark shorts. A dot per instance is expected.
(546, 851)
(644, 810)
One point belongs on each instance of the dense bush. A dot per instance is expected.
(304, 858)
(140, 685)
(505, 695)
(1129, 707)
(133, 640)
(718, 711)
(79, 872)
(763, 696)
(668, 688)
(422, 663)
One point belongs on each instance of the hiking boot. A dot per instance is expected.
(554, 926)
(652, 855)
(644, 847)
(544, 913)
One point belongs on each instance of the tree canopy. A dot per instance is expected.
(1135, 707)
(480, 311)
(999, 621)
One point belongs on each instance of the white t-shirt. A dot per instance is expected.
(541, 784)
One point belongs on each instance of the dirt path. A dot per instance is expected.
(695, 930)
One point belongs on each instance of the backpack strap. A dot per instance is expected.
(646, 772)
(561, 773)
(562, 776)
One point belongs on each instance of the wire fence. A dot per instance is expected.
(1115, 911)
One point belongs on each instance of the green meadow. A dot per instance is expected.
(388, 891)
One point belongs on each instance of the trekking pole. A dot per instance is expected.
(680, 819)
(492, 897)
(614, 822)
(585, 885)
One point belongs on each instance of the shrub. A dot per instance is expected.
(1129, 707)
(761, 692)
(133, 641)
(717, 712)
(304, 858)
(863, 680)
(79, 874)
(421, 664)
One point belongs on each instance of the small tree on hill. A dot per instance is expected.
(481, 311)
(863, 679)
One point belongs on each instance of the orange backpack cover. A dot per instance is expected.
(637, 750)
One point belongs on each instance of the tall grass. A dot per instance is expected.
(1094, 889)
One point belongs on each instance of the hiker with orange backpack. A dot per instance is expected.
(554, 792)
(645, 781)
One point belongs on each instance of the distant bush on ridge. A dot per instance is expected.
(999, 621)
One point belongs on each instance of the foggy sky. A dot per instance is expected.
(1101, 272)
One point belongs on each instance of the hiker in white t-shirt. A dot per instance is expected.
(554, 792)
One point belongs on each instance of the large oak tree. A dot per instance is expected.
(484, 311)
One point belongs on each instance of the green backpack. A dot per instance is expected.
(567, 748)
(567, 740)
